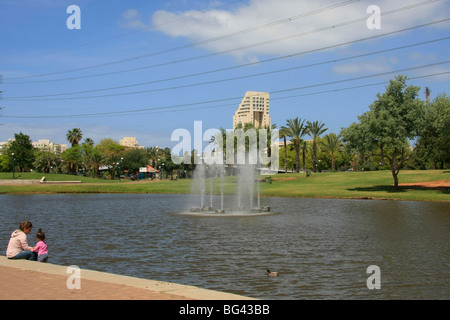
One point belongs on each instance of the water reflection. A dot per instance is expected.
(321, 247)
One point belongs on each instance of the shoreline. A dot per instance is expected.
(423, 186)
(23, 279)
(264, 196)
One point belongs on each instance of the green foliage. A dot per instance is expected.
(22, 149)
(392, 120)
(433, 146)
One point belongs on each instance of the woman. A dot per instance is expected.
(18, 246)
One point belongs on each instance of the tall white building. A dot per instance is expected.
(254, 109)
(130, 142)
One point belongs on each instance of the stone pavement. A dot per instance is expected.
(31, 280)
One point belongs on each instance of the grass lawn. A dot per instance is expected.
(371, 184)
(368, 185)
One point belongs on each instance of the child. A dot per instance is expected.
(41, 247)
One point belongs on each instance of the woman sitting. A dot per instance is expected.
(18, 245)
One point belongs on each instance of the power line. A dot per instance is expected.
(236, 49)
(42, 97)
(202, 42)
(126, 34)
(178, 107)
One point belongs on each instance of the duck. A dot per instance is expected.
(271, 274)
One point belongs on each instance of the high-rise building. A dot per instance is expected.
(254, 109)
(130, 142)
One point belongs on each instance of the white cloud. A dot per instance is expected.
(202, 26)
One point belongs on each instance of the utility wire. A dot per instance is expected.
(179, 106)
(236, 49)
(202, 42)
(44, 97)
(151, 28)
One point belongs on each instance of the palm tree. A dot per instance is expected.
(304, 147)
(284, 132)
(296, 130)
(97, 159)
(315, 129)
(89, 142)
(74, 136)
(332, 145)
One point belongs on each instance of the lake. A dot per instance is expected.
(321, 247)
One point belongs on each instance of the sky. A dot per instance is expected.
(146, 68)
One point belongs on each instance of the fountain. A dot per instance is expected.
(211, 177)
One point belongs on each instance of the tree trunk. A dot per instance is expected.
(333, 164)
(285, 154)
(297, 155)
(382, 155)
(304, 159)
(314, 156)
(394, 167)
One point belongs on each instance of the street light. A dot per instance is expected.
(120, 169)
(14, 165)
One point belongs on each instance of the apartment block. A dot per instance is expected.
(130, 142)
(254, 109)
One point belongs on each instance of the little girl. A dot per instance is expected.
(41, 247)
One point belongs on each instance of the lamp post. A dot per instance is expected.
(14, 165)
(120, 169)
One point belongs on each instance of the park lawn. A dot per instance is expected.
(359, 185)
(362, 185)
(52, 177)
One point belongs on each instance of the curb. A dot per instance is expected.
(161, 287)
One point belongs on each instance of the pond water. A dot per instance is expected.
(321, 247)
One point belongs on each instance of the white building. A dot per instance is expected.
(254, 109)
(130, 142)
(45, 144)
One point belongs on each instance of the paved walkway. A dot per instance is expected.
(30, 280)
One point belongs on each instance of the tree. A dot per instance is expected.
(332, 144)
(22, 148)
(434, 142)
(392, 119)
(284, 132)
(315, 130)
(73, 159)
(46, 160)
(133, 159)
(296, 130)
(112, 153)
(97, 159)
(74, 136)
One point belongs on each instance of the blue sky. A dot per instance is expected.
(145, 68)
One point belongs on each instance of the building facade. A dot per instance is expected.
(254, 109)
(42, 144)
(130, 142)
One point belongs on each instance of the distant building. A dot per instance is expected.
(45, 144)
(254, 109)
(130, 142)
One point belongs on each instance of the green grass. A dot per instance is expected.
(365, 185)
